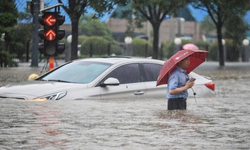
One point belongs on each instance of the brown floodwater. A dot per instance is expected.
(221, 122)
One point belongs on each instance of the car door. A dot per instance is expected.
(130, 85)
(150, 75)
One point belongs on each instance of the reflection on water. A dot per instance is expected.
(211, 123)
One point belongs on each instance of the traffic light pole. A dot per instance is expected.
(51, 63)
(51, 34)
(34, 57)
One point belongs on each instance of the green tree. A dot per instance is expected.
(220, 12)
(19, 39)
(155, 11)
(8, 19)
(236, 29)
(94, 27)
(21, 36)
(99, 46)
(207, 25)
(75, 8)
(141, 47)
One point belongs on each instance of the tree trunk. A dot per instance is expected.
(220, 45)
(74, 43)
(156, 28)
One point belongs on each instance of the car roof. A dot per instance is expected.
(115, 60)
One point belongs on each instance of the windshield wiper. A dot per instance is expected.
(59, 80)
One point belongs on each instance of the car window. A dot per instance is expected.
(151, 71)
(78, 72)
(126, 74)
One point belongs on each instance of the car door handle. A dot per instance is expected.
(139, 93)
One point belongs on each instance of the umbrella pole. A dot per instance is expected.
(194, 94)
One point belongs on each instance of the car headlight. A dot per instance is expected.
(54, 96)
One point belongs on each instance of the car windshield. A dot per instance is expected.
(77, 72)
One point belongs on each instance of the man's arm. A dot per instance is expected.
(181, 89)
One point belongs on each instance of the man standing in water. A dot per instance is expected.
(178, 85)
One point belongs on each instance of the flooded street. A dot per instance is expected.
(222, 122)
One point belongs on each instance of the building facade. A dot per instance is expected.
(169, 29)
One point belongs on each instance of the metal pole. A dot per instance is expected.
(90, 50)
(109, 45)
(27, 50)
(42, 4)
(51, 63)
(34, 57)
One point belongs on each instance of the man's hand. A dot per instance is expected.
(189, 84)
(178, 90)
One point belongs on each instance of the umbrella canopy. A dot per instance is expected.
(196, 58)
(190, 46)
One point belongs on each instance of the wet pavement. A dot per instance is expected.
(221, 122)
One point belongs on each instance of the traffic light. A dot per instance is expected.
(51, 34)
(60, 34)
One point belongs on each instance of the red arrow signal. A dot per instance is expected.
(50, 20)
(50, 35)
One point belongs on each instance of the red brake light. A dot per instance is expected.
(210, 86)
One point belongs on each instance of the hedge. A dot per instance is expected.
(99, 46)
(6, 61)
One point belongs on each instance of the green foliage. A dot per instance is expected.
(6, 61)
(99, 46)
(236, 29)
(207, 25)
(202, 45)
(140, 46)
(222, 13)
(213, 52)
(183, 42)
(82, 38)
(64, 40)
(19, 39)
(8, 15)
(155, 11)
(232, 51)
(168, 49)
(98, 34)
(76, 8)
(94, 27)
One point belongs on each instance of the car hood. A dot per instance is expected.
(34, 89)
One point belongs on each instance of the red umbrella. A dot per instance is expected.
(190, 46)
(196, 58)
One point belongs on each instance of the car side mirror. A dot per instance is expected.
(110, 82)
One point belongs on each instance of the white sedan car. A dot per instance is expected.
(101, 78)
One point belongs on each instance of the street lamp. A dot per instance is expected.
(3, 41)
(177, 42)
(223, 42)
(224, 49)
(245, 42)
(68, 51)
(128, 40)
(245, 50)
(181, 22)
(129, 48)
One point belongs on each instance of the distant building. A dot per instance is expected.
(169, 30)
(183, 25)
